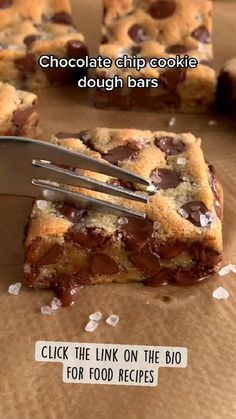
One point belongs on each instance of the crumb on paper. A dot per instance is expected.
(56, 303)
(172, 121)
(212, 123)
(14, 289)
(47, 310)
(91, 326)
(113, 320)
(96, 316)
(225, 270)
(220, 294)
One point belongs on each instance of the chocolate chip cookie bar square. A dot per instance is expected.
(30, 29)
(226, 89)
(159, 29)
(18, 115)
(179, 242)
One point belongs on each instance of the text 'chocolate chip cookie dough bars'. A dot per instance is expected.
(179, 242)
(30, 29)
(18, 114)
(159, 28)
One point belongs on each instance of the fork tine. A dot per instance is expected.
(41, 150)
(66, 176)
(55, 192)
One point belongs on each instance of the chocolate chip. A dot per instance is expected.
(171, 78)
(5, 4)
(163, 277)
(89, 237)
(101, 264)
(20, 116)
(201, 34)
(124, 152)
(62, 17)
(76, 49)
(165, 178)
(147, 263)
(66, 287)
(189, 277)
(215, 190)
(64, 135)
(30, 39)
(170, 250)
(170, 145)
(135, 50)
(136, 233)
(137, 33)
(73, 214)
(52, 255)
(123, 184)
(205, 255)
(38, 254)
(161, 9)
(104, 40)
(177, 49)
(192, 211)
(27, 64)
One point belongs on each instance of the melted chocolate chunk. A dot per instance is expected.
(165, 178)
(101, 264)
(89, 238)
(5, 4)
(136, 233)
(137, 33)
(146, 262)
(215, 190)
(162, 9)
(37, 255)
(73, 214)
(20, 116)
(62, 17)
(194, 210)
(30, 39)
(76, 49)
(163, 277)
(177, 49)
(26, 64)
(66, 288)
(123, 184)
(171, 78)
(190, 277)
(64, 135)
(205, 255)
(135, 50)
(124, 152)
(170, 250)
(170, 145)
(201, 34)
(52, 255)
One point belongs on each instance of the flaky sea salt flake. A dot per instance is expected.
(225, 270)
(203, 220)
(91, 326)
(233, 267)
(151, 188)
(220, 294)
(172, 122)
(181, 160)
(41, 204)
(113, 320)
(183, 212)
(56, 303)
(14, 289)
(96, 316)
(47, 310)
(212, 123)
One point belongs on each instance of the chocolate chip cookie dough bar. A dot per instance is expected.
(30, 29)
(18, 114)
(159, 28)
(179, 242)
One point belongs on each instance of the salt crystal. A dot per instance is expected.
(91, 326)
(181, 160)
(233, 268)
(183, 212)
(14, 289)
(41, 204)
(96, 316)
(172, 122)
(212, 123)
(56, 303)
(47, 310)
(113, 320)
(151, 188)
(220, 294)
(225, 270)
(203, 220)
(122, 221)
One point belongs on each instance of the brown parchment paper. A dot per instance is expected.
(206, 388)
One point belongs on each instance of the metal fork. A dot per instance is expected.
(31, 168)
